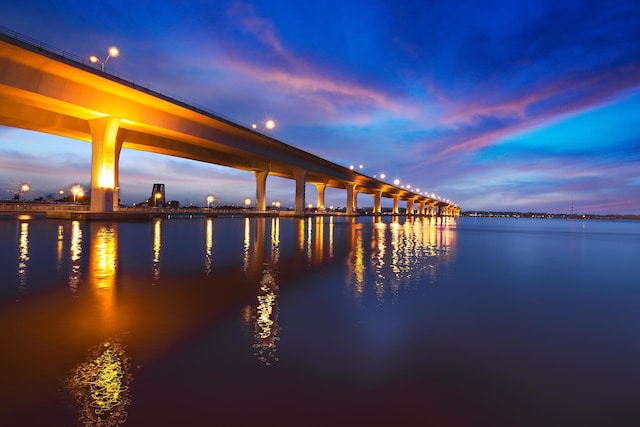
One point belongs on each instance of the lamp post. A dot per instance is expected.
(77, 191)
(247, 203)
(268, 125)
(113, 52)
(210, 200)
(24, 187)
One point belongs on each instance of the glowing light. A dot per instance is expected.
(209, 246)
(247, 245)
(106, 179)
(270, 124)
(77, 191)
(382, 176)
(75, 251)
(101, 386)
(396, 181)
(247, 203)
(157, 244)
(112, 52)
(265, 306)
(106, 258)
(23, 257)
(25, 187)
(210, 200)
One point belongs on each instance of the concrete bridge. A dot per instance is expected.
(47, 90)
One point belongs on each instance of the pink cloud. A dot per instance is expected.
(584, 94)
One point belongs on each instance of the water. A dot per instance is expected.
(233, 321)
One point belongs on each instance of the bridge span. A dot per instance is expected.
(46, 90)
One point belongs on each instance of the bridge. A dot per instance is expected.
(48, 90)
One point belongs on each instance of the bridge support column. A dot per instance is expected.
(261, 190)
(396, 211)
(321, 187)
(420, 208)
(301, 179)
(106, 143)
(376, 202)
(351, 198)
(410, 207)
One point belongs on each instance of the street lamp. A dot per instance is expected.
(23, 189)
(247, 203)
(210, 200)
(77, 191)
(157, 198)
(268, 125)
(396, 182)
(113, 52)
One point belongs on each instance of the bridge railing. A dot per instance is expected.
(19, 206)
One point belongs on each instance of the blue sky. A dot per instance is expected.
(519, 105)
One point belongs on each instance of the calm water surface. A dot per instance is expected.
(309, 322)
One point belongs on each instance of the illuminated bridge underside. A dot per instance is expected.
(44, 92)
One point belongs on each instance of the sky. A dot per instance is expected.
(530, 106)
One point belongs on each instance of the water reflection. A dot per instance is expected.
(157, 244)
(23, 255)
(401, 255)
(379, 259)
(100, 386)
(104, 256)
(60, 248)
(208, 246)
(266, 320)
(262, 317)
(275, 240)
(247, 244)
(75, 252)
(356, 261)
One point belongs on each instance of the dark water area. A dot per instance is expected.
(320, 321)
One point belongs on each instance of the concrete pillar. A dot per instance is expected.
(321, 187)
(261, 190)
(355, 199)
(106, 143)
(377, 209)
(421, 208)
(351, 198)
(410, 207)
(395, 203)
(301, 179)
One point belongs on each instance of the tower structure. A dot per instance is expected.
(157, 198)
